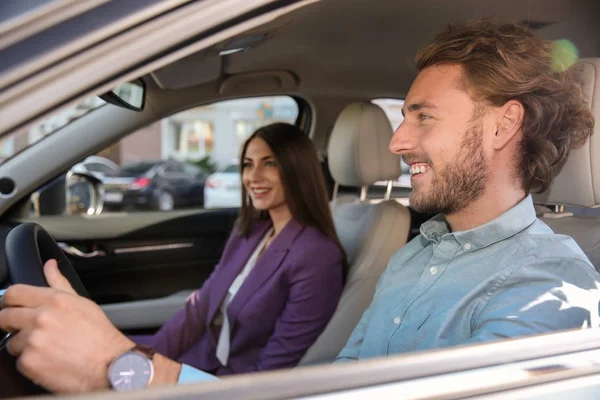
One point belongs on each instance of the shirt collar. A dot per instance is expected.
(504, 226)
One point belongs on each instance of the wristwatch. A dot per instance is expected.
(132, 370)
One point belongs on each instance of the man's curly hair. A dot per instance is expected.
(503, 62)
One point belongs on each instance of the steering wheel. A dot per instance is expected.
(28, 247)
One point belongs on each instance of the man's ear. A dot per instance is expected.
(509, 121)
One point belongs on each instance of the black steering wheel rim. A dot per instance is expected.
(28, 247)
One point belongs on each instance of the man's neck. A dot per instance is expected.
(493, 203)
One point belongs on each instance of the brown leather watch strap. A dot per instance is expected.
(145, 350)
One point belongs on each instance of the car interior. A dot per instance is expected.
(335, 57)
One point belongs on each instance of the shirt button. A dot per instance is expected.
(433, 270)
(467, 246)
(397, 320)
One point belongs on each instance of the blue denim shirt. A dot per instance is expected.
(510, 277)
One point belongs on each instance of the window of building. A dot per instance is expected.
(196, 138)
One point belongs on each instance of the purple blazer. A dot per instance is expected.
(282, 307)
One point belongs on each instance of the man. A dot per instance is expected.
(486, 122)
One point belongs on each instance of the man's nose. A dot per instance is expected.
(404, 140)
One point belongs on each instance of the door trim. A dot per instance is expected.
(158, 247)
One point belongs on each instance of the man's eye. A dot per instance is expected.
(423, 117)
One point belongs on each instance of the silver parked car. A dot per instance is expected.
(223, 189)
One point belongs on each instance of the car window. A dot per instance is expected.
(393, 110)
(24, 137)
(192, 144)
(232, 168)
(173, 169)
(189, 169)
(136, 169)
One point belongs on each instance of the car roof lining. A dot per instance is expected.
(293, 45)
(390, 34)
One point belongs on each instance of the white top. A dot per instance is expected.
(224, 337)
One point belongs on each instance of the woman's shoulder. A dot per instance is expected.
(315, 255)
(312, 239)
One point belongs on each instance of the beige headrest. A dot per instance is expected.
(358, 150)
(578, 183)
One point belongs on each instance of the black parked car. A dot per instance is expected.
(155, 185)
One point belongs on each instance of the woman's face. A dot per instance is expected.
(261, 178)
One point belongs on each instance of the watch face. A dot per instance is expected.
(131, 371)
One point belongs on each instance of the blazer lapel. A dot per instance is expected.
(265, 266)
(232, 267)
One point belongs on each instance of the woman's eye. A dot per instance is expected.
(271, 164)
(245, 165)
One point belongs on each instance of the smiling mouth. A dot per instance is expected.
(260, 191)
(419, 168)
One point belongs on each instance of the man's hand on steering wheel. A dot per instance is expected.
(64, 342)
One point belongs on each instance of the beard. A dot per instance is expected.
(459, 183)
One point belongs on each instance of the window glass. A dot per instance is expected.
(191, 170)
(188, 147)
(393, 110)
(30, 134)
(232, 168)
(174, 169)
(136, 169)
(195, 138)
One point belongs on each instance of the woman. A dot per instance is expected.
(281, 274)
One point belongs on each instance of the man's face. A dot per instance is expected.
(441, 139)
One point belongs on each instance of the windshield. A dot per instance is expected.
(136, 169)
(231, 168)
(25, 137)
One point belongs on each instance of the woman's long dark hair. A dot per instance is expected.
(301, 178)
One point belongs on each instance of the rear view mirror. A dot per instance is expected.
(130, 95)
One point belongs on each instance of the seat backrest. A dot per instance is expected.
(578, 182)
(370, 233)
